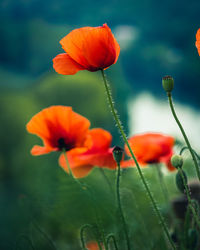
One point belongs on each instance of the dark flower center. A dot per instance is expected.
(63, 145)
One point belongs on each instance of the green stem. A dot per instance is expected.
(184, 148)
(86, 188)
(120, 206)
(109, 237)
(162, 183)
(183, 133)
(118, 123)
(187, 191)
(82, 236)
(67, 162)
(107, 180)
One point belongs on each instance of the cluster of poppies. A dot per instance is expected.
(62, 129)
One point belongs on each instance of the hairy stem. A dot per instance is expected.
(187, 191)
(119, 125)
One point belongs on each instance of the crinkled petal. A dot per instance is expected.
(92, 47)
(65, 65)
(57, 122)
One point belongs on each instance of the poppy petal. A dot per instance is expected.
(78, 170)
(73, 44)
(101, 139)
(57, 122)
(92, 47)
(38, 150)
(151, 148)
(100, 50)
(65, 65)
(198, 41)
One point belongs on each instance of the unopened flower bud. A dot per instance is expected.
(177, 161)
(168, 83)
(118, 154)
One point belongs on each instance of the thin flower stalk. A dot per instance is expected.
(184, 134)
(119, 125)
(184, 148)
(89, 193)
(83, 228)
(162, 183)
(112, 237)
(187, 191)
(120, 206)
(106, 179)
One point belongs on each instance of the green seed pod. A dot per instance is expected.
(192, 238)
(118, 154)
(179, 181)
(168, 83)
(177, 161)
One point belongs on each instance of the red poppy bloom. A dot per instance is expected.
(198, 41)
(99, 154)
(151, 148)
(88, 48)
(59, 128)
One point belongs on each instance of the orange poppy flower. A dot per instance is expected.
(151, 148)
(99, 154)
(88, 48)
(198, 41)
(59, 128)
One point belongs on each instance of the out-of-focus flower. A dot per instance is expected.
(92, 245)
(151, 148)
(60, 128)
(87, 48)
(198, 41)
(99, 154)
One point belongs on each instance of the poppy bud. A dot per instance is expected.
(118, 154)
(177, 161)
(168, 83)
(179, 181)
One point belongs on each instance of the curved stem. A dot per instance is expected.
(184, 134)
(187, 191)
(118, 123)
(120, 206)
(82, 236)
(184, 148)
(109, 237)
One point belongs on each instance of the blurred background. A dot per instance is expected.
(156, 39)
